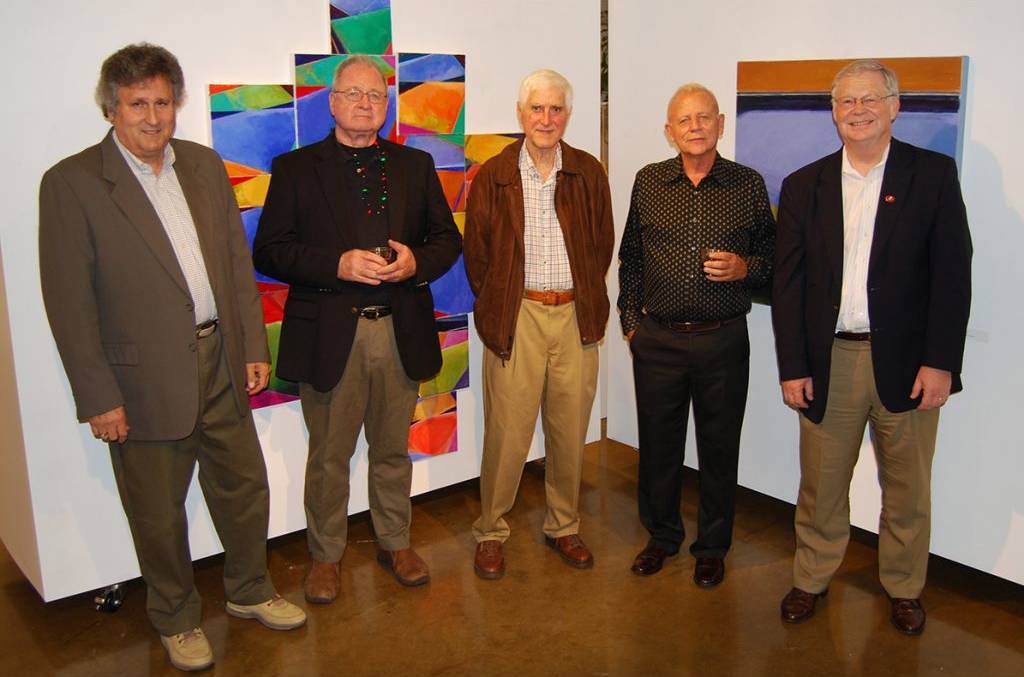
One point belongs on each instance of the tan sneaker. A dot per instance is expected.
(188, 650)
(276, 613)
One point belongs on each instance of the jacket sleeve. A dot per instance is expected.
(788, 285)
(277, 249)
(67, 266)
(631, 266)
(443, 243)
(604, 222)
(949, 304)
(477, 237)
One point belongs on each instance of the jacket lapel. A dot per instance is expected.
(127, 193)
(330, 171)
(895, 186)
(830, 212)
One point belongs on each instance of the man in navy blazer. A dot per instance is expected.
(358, 227)
(870, 304)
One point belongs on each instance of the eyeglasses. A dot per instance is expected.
(869, 101)
(355, 95)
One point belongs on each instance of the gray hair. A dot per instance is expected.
(357, 60)
(545, 78)
(691, 88)
(133, 65)
(892, 83)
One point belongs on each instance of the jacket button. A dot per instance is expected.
(189, 307)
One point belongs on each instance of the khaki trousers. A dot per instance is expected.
(375, 392)
(904, 446)
(550, 370)
(153, 480)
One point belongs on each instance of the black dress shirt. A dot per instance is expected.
(671, 222)
(363, 209)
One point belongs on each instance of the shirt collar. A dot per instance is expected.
(526, 160)
(673, 170)
(141, 166)
(848, 169)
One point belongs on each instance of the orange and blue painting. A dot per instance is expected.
(360, 26)
(434, 430)
(784, 111)
(482, 147)
(431, 93)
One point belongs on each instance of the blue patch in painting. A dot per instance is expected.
(451, 292)
(255, 137)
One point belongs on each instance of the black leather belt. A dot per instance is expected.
(854, 335)
(206, 328)
(707, 325)
(372, 312)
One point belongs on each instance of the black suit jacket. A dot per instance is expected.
(919, 274)
(302, 234)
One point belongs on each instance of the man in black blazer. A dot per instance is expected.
(358, 227)
(870, 304)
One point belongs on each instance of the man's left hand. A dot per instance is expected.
(725, 267)
(403, 267)
(933, 386)
(257, 374)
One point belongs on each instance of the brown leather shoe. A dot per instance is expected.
(650, 560)
(322, 582)
(709, 571)
(572, 550)
(489, 561)
(908, 615)
(408, 567)
(798, 606)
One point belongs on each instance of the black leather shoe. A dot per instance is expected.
(709, 571)
(650, 560)
(908, 615)
(798, 606)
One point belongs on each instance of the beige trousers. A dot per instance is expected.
(552, 371)
(904, 446)
(375, 392)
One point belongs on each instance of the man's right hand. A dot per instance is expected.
(629, 335)
(798, 393)
(111, 426)
(359, 265)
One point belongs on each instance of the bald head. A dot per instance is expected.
(691, 89)
(693, 124)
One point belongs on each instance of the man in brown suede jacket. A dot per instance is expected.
(538, 242)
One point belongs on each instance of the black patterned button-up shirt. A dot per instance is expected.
(671, 223)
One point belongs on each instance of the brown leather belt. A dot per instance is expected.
(206, 328)
(854, 336)
(550, 297)
(707, 325)
(372, 312)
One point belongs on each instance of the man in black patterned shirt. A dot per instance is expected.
(698, 239)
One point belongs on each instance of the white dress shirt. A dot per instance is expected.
(547, 261)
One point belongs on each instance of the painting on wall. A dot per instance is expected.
(431, 93)
(482, 147)
(360, 26)
(451, 292)
(784, 111)
(453, 335)
(434, 430)
(313, 78)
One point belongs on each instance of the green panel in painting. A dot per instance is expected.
(460, 122)
(249, 97)
(368, 33)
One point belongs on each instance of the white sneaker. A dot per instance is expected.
(276, 613)
(188, 650)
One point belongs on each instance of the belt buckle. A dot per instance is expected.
(206, 329)
(374, 312)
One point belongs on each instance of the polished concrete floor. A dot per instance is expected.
(544, 618)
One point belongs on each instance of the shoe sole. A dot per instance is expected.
(707, 585)
(186, 667)
(385, 562)
(252, 615)
(489, 575)
(589, 564)
(909, 633)
(801, 619)
(635, 572)
(319, 600)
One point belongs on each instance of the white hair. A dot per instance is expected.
(545, 78)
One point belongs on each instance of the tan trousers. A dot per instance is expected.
(904, 445)
(551, 370)
(375, 392)
(153, 480)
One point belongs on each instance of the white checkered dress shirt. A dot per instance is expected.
(169, 201)
(547, 262)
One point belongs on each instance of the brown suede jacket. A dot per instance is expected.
(495, 250)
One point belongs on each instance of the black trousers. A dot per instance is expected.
(671, 369)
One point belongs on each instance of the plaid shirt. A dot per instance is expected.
(547, 262)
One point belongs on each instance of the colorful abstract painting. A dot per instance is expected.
(784, 111)
(453, 335)
(431, 93)
(361, 26)
(451, 292)
(449, 153)
(313, 78)
(250, 126)
(434, 429)
(482, 147)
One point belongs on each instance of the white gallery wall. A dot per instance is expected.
(60, 516)
(655, 46)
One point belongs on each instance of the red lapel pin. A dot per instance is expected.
(889, 199)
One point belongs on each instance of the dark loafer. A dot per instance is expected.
(798, 605)
(650, 560)
(709, 571)
(908, 615)
(572, 550)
